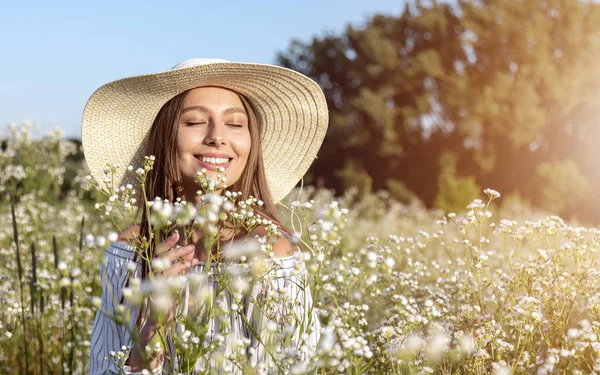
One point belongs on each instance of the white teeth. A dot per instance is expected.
(214, 160)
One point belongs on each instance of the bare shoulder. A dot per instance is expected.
(129, 233)
(281, 248)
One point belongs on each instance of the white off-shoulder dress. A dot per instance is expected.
(288, 279)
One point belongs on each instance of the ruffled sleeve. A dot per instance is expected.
(281, 310)
(107, 335)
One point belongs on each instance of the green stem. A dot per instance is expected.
(20, 272)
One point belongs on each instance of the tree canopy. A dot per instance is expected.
(491, 93)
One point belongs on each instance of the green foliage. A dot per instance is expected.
(454, 192)
(562, 185)
(44, 255)
(399, 191)
(45, 166)
(506, 84)
(353, 175)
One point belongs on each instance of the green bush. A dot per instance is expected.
(454, 192)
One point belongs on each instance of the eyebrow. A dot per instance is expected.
(208, 111)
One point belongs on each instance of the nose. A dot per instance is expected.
(214, 137)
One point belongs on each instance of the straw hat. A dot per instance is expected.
(290, 107)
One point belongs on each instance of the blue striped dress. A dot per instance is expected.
(286, 279)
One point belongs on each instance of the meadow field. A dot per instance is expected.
(399, 289)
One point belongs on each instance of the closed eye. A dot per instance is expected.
(195, 123)
(236, 125)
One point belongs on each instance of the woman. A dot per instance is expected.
(263, 124)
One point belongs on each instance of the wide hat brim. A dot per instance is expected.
(290, 107)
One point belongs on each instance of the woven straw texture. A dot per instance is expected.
(290, 107)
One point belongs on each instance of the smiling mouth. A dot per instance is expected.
(212, 161)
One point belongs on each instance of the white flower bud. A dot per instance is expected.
(96, 301)
(89, 240)
(76, 271)
(389, 262)
(113, 236)
(100, 241)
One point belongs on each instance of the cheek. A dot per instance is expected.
(243, 146)
(187, 141)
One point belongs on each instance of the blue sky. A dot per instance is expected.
(54, 54)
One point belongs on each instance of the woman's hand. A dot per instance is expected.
(166, 250)
(158, 317)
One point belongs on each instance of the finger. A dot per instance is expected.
(180, 267)
(191, 255)
(179, 252)
(167, 243)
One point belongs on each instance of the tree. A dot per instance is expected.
(505, 85)
(377, 82)
(532, 83)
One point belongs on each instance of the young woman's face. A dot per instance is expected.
(213, 132)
